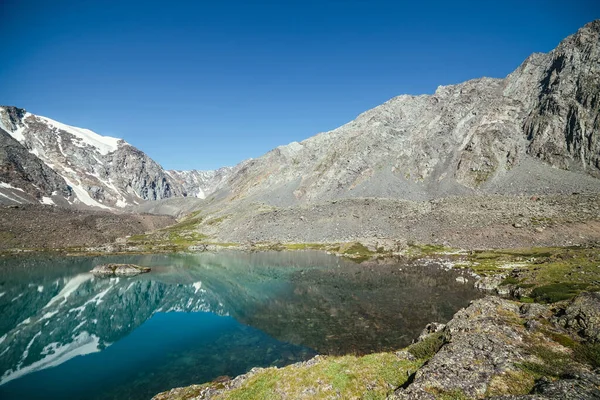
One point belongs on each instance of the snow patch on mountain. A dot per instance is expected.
(104, 144)
(83, 195)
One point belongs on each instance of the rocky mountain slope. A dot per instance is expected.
(42, 227)
(30, 179)
(481, 136)
(94, 170)
(200, 183)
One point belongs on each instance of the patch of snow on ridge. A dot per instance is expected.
(8, 186)
(83, 195)
(104, 144)
(47, 201)
(10, 198)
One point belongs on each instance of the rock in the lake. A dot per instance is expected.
(119, 270)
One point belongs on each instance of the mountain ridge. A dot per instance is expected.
(95, 171)
(463, 139)
(482, 136)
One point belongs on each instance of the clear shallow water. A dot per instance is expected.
(65, 334)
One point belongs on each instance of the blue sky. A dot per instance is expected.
(198, 85)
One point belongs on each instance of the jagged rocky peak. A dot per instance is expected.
(564, 125)
(10, 117)
(101, 171)
(485, 135)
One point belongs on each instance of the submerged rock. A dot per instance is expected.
(119, 270)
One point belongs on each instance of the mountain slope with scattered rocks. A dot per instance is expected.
(481, 136)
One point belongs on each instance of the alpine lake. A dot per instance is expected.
(65, 334)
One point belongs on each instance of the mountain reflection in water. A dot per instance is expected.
(197, 317)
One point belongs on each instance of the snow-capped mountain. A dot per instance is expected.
(76, 166)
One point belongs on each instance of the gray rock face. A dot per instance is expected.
(563, 126)
(484, 135)
(487, 345)
(473, 334)
(200, 184)
(582, 316)
(101, 171)
(25, 178)
(141, 176)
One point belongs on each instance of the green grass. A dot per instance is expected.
(557, 292)
(311, 246)
(455, 394)
(356, 252)
(551, 363)
(509, 280)
(553, 274)
(426, 348)
(373, 376)
(518, 382)
(416, 250)
(588, 353)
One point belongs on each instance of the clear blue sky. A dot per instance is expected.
(204, 84)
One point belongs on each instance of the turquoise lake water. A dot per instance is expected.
(65, 334)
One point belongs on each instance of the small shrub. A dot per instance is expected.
(589, 353)
(426, 348)
(510, 280)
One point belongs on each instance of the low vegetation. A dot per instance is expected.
(547, 275)
(374, 376)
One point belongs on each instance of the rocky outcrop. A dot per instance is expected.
(106, 270)
(479, 333)
(582, 316)
(498, 348)
(563, 126)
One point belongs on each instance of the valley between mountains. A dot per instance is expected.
(497, 176)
